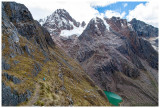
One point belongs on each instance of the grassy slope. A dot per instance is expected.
(78, 88)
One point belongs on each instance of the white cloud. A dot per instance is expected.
(101, 2)
(81, 10)
(125, 4)
(110, 13)
(146, 12)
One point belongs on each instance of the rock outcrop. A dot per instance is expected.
(83, 24)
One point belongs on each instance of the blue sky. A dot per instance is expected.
(119, 7)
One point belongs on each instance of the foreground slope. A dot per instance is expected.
(35, 71)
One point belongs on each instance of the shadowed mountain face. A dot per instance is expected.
(117, 58)
(35, 71)
(143, 29)
(146, 31)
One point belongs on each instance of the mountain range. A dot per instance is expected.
(60, 61)
(119, 56)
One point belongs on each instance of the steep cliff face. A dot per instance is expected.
(37, 72)
(117, 59)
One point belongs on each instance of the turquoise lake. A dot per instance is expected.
(113, 98)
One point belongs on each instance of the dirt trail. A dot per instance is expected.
(34, 97)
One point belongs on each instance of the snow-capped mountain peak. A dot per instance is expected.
(61, 23)
(62, 20)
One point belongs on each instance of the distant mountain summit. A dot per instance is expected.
(96, 27)
(143, 29)
(61, 23)
(146, 31)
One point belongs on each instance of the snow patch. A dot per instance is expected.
(130, 26)
(94, 19)
(122, 25)
(152, 40)
(76, 31)
(42, 21)
(106, 24)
